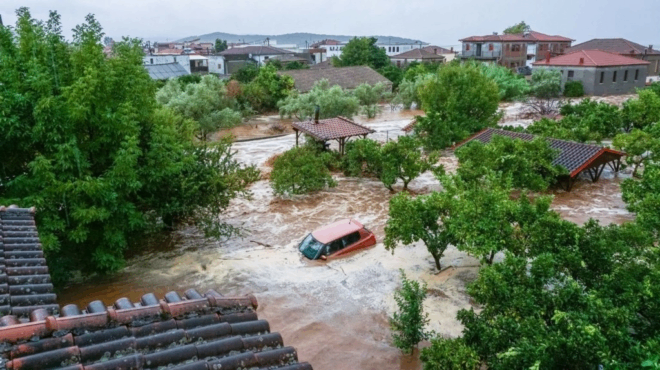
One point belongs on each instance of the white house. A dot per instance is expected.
(184, 60)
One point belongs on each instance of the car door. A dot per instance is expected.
(335, 246)
(348, 243)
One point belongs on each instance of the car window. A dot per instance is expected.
(335, 246)
(351, 238)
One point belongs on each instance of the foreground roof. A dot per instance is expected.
(418, 54)
(346, 77)
(255, 50)
(619, 46)
(185, 332)
(575, 157)
(332, 128)
(165, 71)
(590, 58)
(531, 37)
(336, 230)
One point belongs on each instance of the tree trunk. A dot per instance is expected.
(489, 260)
(436, 258)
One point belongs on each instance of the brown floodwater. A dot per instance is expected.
(335, 313)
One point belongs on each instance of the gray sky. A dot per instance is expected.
(439, 22)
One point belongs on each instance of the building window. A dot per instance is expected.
(508, 47)
(397, 49)
(152, 60)
(219, 66)
(467, 47)
(515, 47)
(490, 47)
(389, 49)
(614, 77)
(602, 77)
(636, 74)
(570, 74)
(625, 76)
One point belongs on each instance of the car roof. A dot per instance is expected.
(336, 230)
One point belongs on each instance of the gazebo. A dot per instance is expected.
(338, 128)
(575, 157)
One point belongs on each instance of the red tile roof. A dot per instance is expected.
(531, 37)
(538, 36)
(575, 157)
(619, 46)
(332, 128)
(590, 58)
(169, 52)
(410, 126)
(418, 54)
(437, 50)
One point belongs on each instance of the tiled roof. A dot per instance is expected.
(619, 46)
(530, 37)
(575, 157)
(410, 126)
(538, 36)
(165, 71)
(290, 58)
(332, 128)
(346, 77)
(169, 52)
(323, 64)
(24, 279)
(437, 50)
(255, 50)
(418, 54)
(325, 42)
(590, 58)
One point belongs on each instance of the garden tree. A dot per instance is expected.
(295, 65)
(107, 41)
(416, 69)
(301, 170)
(276, 63)
(527, 164)
(655, 87)
(573, 89)
(332, 101)
(267, 89)
(403, 160)
(511, 86)
(362, 158)
(420, 218)
(207, 103)
(640, 146)
(643, 198)
(246, 74)
(642, 112)
(449, 354)
(462, 97)
(407, 95)
(521, 27)
(362, 51)
(85, 142)
(220, 45)
(546, 89)
(392, 73)
(409, 321)
(583, 298)
(369, 96)
(437, 133)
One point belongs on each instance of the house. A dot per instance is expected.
(165, 71)
(416, 55)
(601, 72)
(514, 50)
(155, 59)
(236, 58)
(334, 48)
(183, 331)
(347, 77)
(449, 54)
(626, 48)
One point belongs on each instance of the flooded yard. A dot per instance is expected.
(335, 313)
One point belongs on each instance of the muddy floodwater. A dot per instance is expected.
(336, 313)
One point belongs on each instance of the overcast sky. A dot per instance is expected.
(433, 21)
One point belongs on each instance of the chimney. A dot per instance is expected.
(495, 33)
(547, 56)
(452, 49)
(317, 112)
(581, 61)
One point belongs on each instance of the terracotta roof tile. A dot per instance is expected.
(346, 77)
(575, 157)
(418, 54)
(591, 58)
(437, 49)
(531, 37)
(332, 128)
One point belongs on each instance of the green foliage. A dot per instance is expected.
(362, 158)
(643, 198)
(409, 321)
(519, 28)
(642, 112)
(421, 218)
(407, 94)
(362, 51)
(295, 65)
(220, 45)
(246, 74)
(267, 89)
(640, 146)
(301, 170)
(449, 354)
(206, 103)
(392, 73)
(369, 96)
(546, 83)
(403, 160)
(573, 89)
(333, 102)
(85, 142)
(189, 79)
(655, 87)
(416, 69)
(511, 86)
(527, 164)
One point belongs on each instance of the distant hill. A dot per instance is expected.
(290, 38)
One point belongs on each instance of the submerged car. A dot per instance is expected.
(337, 239)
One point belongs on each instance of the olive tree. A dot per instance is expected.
(332, 101)
(301, 170)
(403, 160)
(369, 96)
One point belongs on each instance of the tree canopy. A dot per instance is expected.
(521, 27)
(362, 51)
(301, 170)
(220, 45)
(332, 101)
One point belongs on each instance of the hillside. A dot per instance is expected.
(290, 38)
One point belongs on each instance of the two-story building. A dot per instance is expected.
(515, 50)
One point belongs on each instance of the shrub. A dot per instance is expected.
(573, 89)
(246, 74)
(449, 354)
(369, 96)
(510, 85)
(332, 101)
(362, 158)
(403, 160)
(301, 170)
(409, 321)
(546, 89)
(642, 112)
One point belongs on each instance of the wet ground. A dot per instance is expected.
(336, 313)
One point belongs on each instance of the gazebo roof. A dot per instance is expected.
(332, 128)
(575, 157)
